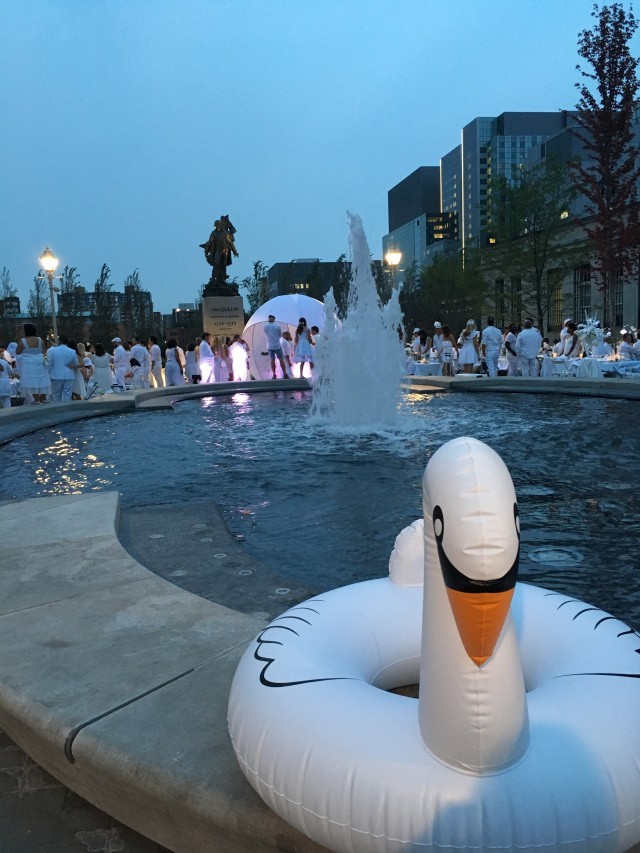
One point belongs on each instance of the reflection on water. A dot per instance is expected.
(324, 507)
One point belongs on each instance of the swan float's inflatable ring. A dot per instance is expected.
(536, 748)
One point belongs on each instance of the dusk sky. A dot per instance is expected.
(128, 126)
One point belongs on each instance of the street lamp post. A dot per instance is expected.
(393, 258)
(49, 264)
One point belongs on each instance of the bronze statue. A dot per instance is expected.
(218, 251)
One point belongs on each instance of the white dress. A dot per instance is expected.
(468, 354)
(34, 377)
(102, 372)
(172, 373)
(303, 351)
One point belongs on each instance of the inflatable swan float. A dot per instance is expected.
(526, 732)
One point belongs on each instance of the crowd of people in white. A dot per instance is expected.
(511, 352)
(33, 370)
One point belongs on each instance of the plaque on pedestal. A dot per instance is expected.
(223, 316)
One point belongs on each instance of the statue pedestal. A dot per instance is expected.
(223, 316)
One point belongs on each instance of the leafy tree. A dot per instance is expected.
(8, 307)
(528, 218)
(342, 276)
(411, 296)
(256, 286)
(608, 175)
(383, 278)
(72, 304)
(449, 290)
(137, 310)
(39, 304)
(7, 290)
(104, 319)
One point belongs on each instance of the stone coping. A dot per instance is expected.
(116, 681)
(614, 387)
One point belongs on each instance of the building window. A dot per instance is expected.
(499, 303)
(618, 302)
(582, 293)
(515, 299)
(554, 320)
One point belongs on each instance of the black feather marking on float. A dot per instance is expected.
(604, 674)
(586, 610)
(568, 601)
(628, 631)
(299, 618)
(269, 660)
(278, 628)
(605, 619)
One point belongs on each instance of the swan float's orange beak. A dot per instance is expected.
(480, 617)
(479, 599)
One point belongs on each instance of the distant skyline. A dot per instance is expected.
(130, 125)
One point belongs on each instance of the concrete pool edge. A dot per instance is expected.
(116, 682)
(613, 388)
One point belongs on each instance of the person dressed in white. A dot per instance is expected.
(604, 348)
(141, 355)
(102, 372)
(63, 363)
(438, 337)
(625, 348)
(636, 346)
(469, 346)
(273, 334)
(491, 346)
(121, 362)
(510, 346)
(34, 379)
(239, 354)
(564, 331)
(528, 345)
(572, 345)
(286, 342)
(415, 345)
(155, 356)
(5, 385)
(207, 365)
(173, 368)
(446, 352)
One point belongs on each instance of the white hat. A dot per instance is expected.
(437, 325)
(116, 340)
(416, 330)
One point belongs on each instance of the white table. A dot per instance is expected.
(554, 366)
(586, 368)
(428, 368)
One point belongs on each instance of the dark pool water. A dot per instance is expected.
(323, 508)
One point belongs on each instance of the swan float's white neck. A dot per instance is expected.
(472, 712)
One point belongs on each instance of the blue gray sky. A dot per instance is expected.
(129, 125)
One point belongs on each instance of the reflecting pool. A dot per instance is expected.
(323, 507)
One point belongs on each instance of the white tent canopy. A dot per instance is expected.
(287, 310)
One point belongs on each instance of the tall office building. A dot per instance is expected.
(495, 146)
(417, 228)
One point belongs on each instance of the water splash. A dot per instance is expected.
(358, 359)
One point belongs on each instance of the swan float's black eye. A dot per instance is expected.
(455, 579)
(438, 523)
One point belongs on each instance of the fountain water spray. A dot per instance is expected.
(358, 358)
